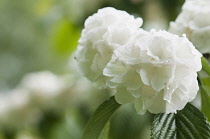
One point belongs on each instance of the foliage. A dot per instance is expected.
(99, 119)
(187, 123)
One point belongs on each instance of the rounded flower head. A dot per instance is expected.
(194, 21)
(104, 31)
(157, 72)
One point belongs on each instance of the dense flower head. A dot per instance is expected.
(104, 31)
(194, 21)
(157, 72)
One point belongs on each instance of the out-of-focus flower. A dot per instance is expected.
(104, 32)
(47, 90)
(157, 72)
(43, 84)
(43, 91)
(36, 93)
(194, 21)
(15, 109)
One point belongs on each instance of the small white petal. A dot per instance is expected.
(139, 106)
(123, 96)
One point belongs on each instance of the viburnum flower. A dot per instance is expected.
(157, 72)
(104, 32)
(194, 21)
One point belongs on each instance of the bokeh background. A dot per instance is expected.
(42, 95)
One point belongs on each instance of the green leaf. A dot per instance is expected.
(205, 65)
(64, 37)
(206, 81)
(127, 124)
(99, 119)
(188, 123)
(205, 96)
(205, 101)
(105, 132)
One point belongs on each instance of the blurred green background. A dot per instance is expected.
(37, 42)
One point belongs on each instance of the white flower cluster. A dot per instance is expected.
(155, 70)
(36, 93)
(194, 21)
(104, 32)
(44, 91)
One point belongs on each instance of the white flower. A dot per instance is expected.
(44, 84)
(104, 32)
(157, 72)
(194, 21)
(48, 90)
(37, 92)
